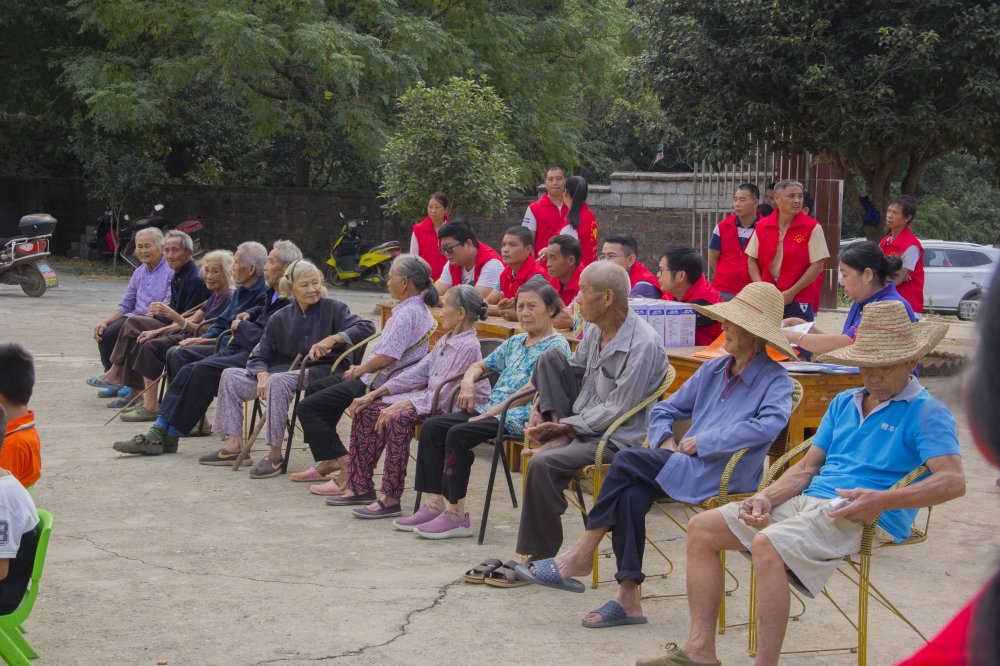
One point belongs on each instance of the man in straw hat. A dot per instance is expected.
(800, 527)
(741, 400)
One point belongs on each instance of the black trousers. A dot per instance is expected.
(444, 454)
(178, 357)
(320, 411)
(108, 339)
(193, 388)
(627, 494)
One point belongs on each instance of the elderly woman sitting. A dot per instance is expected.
(147, 358)
(150, 283)
(444, 459)
(327, 399)
(187, 291)
(309, 327)
(387, 417)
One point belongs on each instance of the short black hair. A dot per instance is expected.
(765, 209)
(808, 201)
(523, 233)
(554, 167)
(907, 204)
(751, 188)
(568, 246)
(17, 373)
(684, 258)
(770, 186)
(625, 241)
(460, 230)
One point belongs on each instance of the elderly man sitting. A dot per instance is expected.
(619, 362)
(799, 528)
(741, 400)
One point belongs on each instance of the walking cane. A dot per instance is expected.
(248, 445)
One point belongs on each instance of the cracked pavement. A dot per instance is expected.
(159, 560)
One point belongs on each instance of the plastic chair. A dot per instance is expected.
(14, 647)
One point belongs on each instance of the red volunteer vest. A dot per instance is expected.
(640, 273)
(427, 241)
(702, 293)
(568, 293)
(587, 233)
(913, 289)
(510, 283)
(731, 272)
(484, 254)
(795, 257)
(548, 220)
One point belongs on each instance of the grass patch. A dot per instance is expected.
(87, 268)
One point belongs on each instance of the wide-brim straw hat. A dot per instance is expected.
(758, 309)
(887, 337)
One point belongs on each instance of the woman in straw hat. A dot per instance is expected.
(800, 527)
(741, 400)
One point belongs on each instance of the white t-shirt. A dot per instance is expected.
(911, 256)
(17, 515)
(530, 222)
(488, 277)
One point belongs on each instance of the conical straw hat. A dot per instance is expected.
(887, 337)
(758, 308)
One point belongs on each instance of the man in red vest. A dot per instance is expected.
(788, 249)
(727, 258)
(682, 279)
(518, 256)
(547, 216)
(901, 241)
(469, 261)
(623, 250)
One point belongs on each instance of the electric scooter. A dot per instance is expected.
(22, 257)
(348, 262)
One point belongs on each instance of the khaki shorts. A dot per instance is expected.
(810, 543)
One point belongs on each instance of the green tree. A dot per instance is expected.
(449, 138)
(881, 87)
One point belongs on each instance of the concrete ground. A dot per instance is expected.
(164, 561)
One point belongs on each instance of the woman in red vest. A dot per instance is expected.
(424, 241)
(901, 241)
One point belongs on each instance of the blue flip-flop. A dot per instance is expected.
(118, 403)
(98, 382)
(108, 393)
(613, 615)
(546, 574)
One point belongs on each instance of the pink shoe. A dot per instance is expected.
(445, 527)
(328, 489)
(310, 475)
(425, 515)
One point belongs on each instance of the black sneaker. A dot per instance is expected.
(153, 443)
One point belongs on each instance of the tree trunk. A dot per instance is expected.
(911, 181)
(878, 183)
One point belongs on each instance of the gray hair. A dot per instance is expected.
(288, 251)
(785, 184)
(152, 231)
(418, 272)
(256, 255)
(225, 258)
(186, 243)
(609, 275)
(466, 297)
(295, 270)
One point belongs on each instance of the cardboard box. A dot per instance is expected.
(673, 322)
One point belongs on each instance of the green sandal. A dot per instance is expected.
(138, 414)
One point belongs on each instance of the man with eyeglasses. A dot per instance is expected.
(623, 250)
(470, 261)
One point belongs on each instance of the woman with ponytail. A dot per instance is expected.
(424, 240)
(866, 276)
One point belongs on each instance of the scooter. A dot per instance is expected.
(348, 262)
(22, 257)
(119, 236)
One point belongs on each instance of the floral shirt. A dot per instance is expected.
(409, 322)
(516, 363)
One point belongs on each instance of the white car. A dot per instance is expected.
(953, 272)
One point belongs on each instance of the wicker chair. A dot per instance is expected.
(859, 564)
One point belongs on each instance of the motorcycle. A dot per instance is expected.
(22, 257)
(119, 236)
(348, 262)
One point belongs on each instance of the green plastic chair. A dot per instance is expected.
(14, 648)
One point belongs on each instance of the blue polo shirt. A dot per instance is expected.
(875, 452)
(887, 293)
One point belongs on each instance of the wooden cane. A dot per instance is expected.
(137, 397)
(248, 445)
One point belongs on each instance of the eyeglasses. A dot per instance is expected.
(446, 250)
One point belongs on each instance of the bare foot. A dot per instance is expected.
(572, 564)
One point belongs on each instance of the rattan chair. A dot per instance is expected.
(859, 565)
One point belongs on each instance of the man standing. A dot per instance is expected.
(901, 241)
(681, 279)
(518, 256)
(727, 257)
(619, 362)
(469, 261)
(564, 258)
(547, 216)
(623, 250)
(788, 250)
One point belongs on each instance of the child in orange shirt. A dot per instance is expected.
(21, 452)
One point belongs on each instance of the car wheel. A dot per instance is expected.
(968, 306)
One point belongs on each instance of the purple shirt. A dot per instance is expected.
(217, 304)
(146, 287)
(449, 357)
(409, 322)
